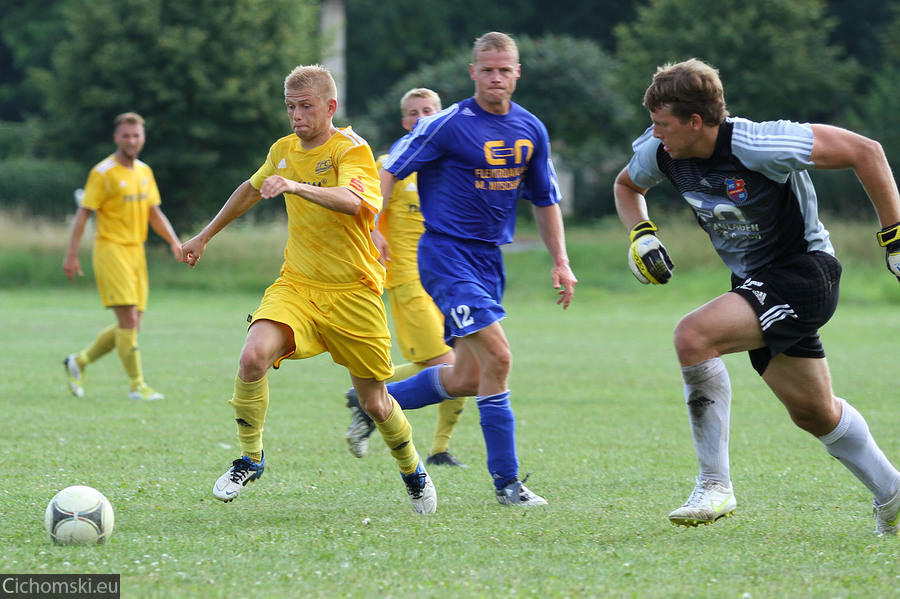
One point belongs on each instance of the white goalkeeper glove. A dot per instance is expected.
(889, 239)
(648, 258)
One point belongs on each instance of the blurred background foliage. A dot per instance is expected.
(207, 75)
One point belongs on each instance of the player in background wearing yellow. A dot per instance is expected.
(328, 295)
(123, 194)
(418, 324)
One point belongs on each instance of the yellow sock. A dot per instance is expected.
(102, 345)
(127, 347)
(404, 371)
(397, 434)
(450, 411)
(250, 403)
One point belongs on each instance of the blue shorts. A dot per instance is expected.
(465, 279)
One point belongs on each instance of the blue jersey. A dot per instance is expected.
(753, 196)
(473, 166)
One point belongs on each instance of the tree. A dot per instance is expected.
(566, 82)
(773, 55)
(860, 28)
(878, 112)
(388, 40)
(206, 75)
(28, 31)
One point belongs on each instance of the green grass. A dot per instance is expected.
(601, 426)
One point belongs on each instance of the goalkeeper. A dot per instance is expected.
(749, 188)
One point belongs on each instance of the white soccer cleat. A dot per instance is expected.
(708, 502)
(516, 493)
(144, 393)
(887, 516)
(243, 470)
(422, 494)
(74, 374)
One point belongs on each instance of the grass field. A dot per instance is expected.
(601, 426)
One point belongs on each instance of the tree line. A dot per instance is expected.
(207, 75)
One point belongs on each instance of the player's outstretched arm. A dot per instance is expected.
(242, 199)
(837, 148)
(630, 203)
(647, 257)
(161, 225)
(550, 225)
(381, 244)
(338, 199)
(71, 263)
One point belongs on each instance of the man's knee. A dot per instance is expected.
(689, 344)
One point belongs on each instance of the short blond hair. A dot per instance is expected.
(130, 118)
(495, 40)
(314, 77)
(420, 92)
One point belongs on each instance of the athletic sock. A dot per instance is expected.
(449, 412)
(423, 389)
(707, 391)
(404, 371)
(498, 424)
(130, 355)
(250, 403)
(853, 444)
(102, 345)
(397, 435)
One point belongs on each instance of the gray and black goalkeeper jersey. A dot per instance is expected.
(753, 196)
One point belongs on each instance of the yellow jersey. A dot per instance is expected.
(121, 197)
(402, 224)
(327, 249)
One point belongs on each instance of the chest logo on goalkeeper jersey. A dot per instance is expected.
(282, 164)
(736, 190)
(323, 166)
(358, 185)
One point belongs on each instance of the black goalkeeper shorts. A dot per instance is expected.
(793, 299)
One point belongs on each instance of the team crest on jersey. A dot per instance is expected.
(736, 190)
(323, 166)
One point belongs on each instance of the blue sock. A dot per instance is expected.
(422, 389)
(498, 424)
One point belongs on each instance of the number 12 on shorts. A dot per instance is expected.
(462, 316)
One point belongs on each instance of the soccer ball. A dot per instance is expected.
(79, 515)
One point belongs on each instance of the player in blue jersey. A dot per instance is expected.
(748, 186)
(474, 161)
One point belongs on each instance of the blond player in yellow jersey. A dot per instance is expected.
(122, 192)
(418, 324)
(328, 296)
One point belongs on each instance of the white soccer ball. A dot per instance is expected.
(79, 515)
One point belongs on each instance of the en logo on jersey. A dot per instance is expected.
(736, 190)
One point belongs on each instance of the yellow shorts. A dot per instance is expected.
(121, 274)
(350, 324)
(418, 324)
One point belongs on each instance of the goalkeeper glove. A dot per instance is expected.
(889, 239)
(648, 258)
